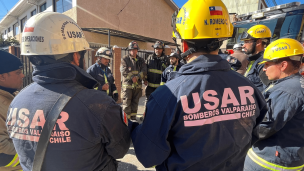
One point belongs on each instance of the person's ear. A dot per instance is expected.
(76, 57)
(2, 77)
(284, 65)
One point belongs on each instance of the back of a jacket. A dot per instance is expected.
(202, 120)
(155, 67)
(89, 133)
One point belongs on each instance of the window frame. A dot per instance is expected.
(14, 29)
(55, 6)
(41, 6)
(21, 22)
(33, 11)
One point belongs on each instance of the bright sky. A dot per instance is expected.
(6, 5)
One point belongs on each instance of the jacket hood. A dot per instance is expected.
(205, 63)
(62, 72)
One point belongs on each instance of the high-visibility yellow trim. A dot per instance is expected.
(248, 68)
(260, 161)
(153, 85)
(14, 162)
(141, 75)
(133, 86)
(134, 72)
(164, 65)
(133, 114)
(106, 81)
(129, 75)
(115, 91)
(96, 88)
(174, 69)
(155, 71)
(162, 83)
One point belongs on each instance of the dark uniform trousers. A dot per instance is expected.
(130, 100)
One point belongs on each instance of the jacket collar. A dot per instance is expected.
(205, 63)
(6, 94)
(256, 56)
(61, 73)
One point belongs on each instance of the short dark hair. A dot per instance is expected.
(296, 64)
(204, 45)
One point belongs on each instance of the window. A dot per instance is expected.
(16, 29)
(34, 12)
(62, 5)
(23, 21)
(4, 32)
(43, 7)
(8, 30)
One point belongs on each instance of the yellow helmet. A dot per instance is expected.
(282, 48)
(257, 32)
(202, 19)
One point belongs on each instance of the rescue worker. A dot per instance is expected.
(202, 120)
(241, 56)
(256, 40)
(134, 72)
(90, 133)
(100, 72)
(281, 134)
(170, 72)
(156, 64)
(11, 77)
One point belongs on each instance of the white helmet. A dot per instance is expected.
(237, 46)
(104, 52)
(52, 33)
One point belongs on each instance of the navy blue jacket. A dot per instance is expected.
(200, 121)
(282, 130)
(89, 133)
(97, 72)
(254, 72)
(169, 74)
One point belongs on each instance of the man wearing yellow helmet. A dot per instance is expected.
(281, 134)
(255, 41)
(203, 119)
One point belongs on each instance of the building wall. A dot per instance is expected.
(151, 18)
(243, 6)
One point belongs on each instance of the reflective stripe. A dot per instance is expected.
(106, 81)
(155, 71)
(258, 160)
(162, 83)
(129, 76)
(96, 88)
(134, 72)
(248, 68)
(115, 91)
(153, 85)
(14, 162)
(165, 66)
(141, 74)
(133, 114)
(133, 86)
(174, 68)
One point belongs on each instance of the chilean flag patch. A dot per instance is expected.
(216, 10)
(29, 29)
